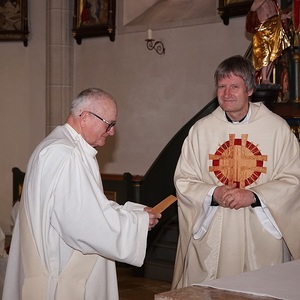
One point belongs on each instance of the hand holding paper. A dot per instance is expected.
(155, 212)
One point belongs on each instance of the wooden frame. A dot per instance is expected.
(14, 21)
(233, 8)
(93, 18)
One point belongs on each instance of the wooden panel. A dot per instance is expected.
(115, 187)
(206, 293)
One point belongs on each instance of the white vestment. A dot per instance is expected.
(262, 156)
(68, 235)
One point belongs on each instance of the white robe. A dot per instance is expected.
(262, 156)
(66, 215)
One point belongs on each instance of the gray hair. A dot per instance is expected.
(238, 66)
(87, 99)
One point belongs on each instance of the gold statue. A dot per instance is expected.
(269, 38)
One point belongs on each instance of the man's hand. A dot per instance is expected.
(220, 191)
(153, 218)
(233, 197)
(238, 198)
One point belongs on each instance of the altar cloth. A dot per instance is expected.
(280, 282)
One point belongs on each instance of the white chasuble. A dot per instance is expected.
(262, 156)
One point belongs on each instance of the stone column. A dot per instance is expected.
(59, 63)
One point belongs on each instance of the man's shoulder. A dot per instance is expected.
(260, 110)
(58, 143)
(204, 120)
(206, 123)
(60, 136)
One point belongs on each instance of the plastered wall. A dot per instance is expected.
(156, 94)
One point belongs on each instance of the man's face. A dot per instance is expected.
(233, 96)
(94, 130)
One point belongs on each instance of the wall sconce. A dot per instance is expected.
(158, 46)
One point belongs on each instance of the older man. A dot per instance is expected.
(68, 234)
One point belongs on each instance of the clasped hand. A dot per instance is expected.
(232, 197)
(153, 218)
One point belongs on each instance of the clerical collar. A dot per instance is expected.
(229, 120)
(244, 120)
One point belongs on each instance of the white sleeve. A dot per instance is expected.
(267, 221)
(204, 219)
(87, 221)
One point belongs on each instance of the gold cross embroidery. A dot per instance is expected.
(238, 160)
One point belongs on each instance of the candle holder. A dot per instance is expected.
(158, 46)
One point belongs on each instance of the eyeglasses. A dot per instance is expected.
(109, 125)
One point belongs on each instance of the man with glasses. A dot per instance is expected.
(68, 234)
